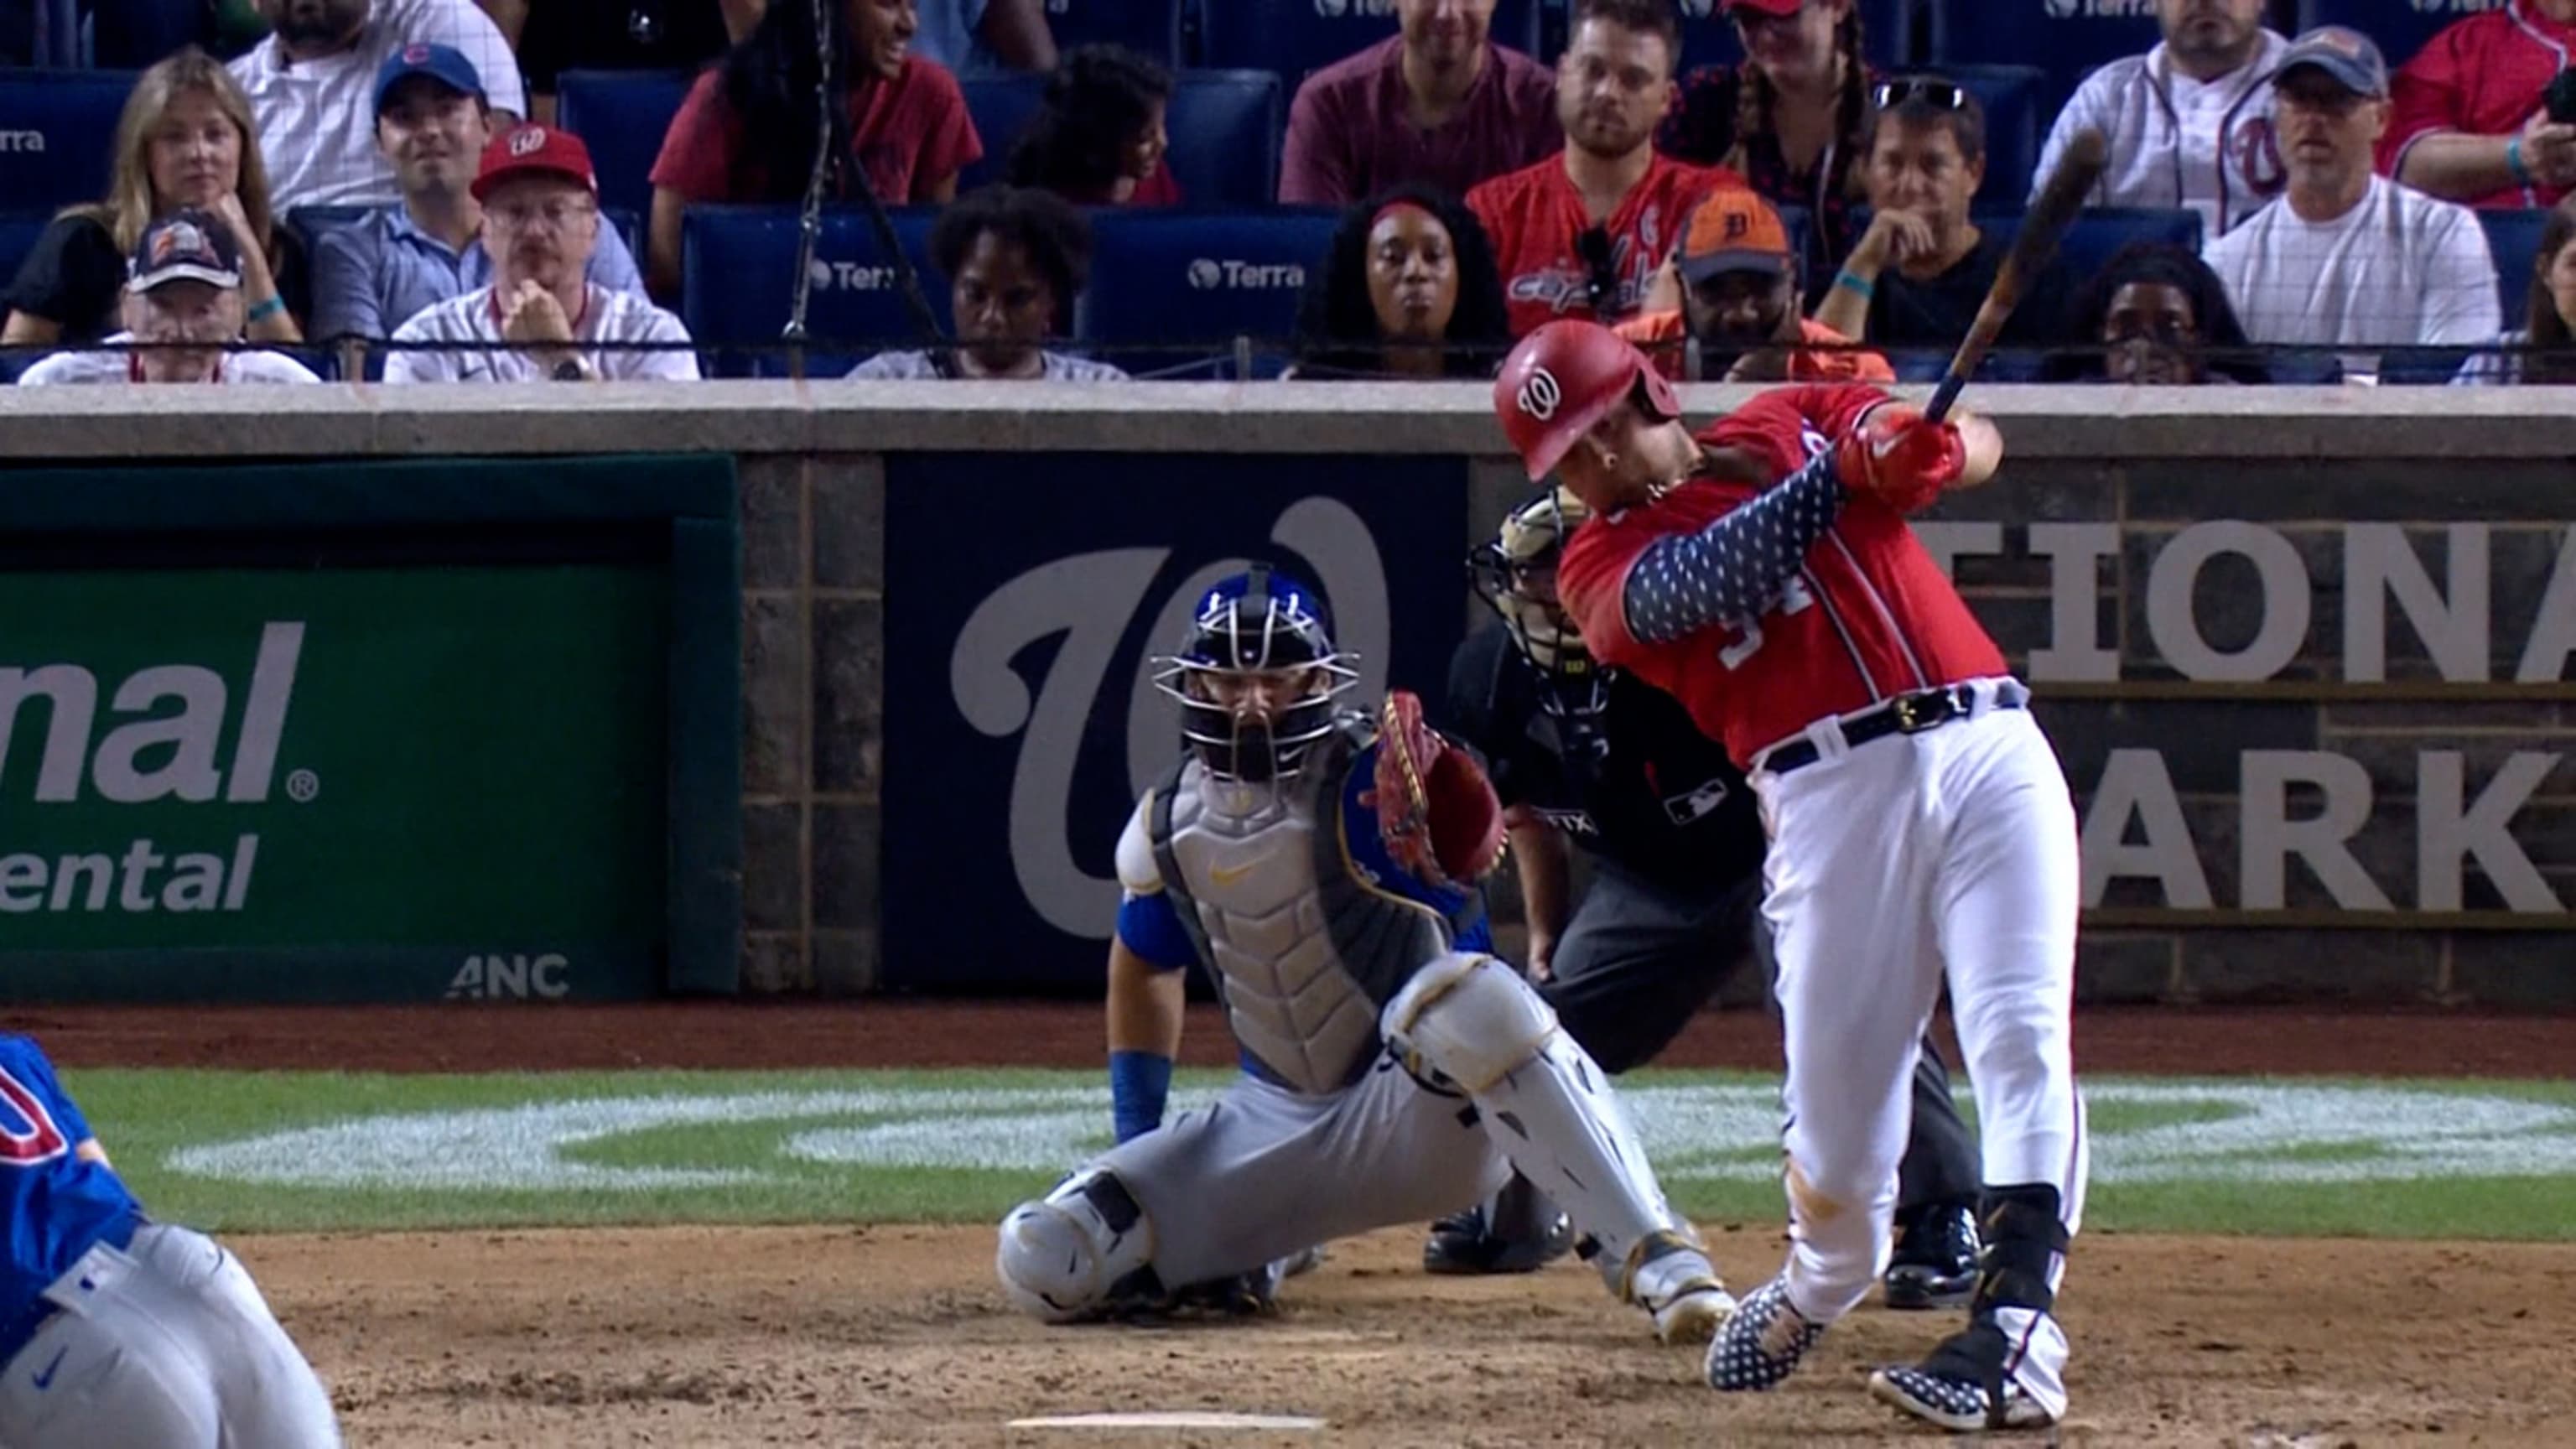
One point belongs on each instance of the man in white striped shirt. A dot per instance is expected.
(541, 319)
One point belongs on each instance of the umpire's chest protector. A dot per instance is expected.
(1303, 947)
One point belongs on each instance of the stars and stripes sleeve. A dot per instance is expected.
(1736, 567)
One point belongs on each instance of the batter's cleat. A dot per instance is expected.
(1669, 1277)
(1762, 1343)
(1935, 1264)
(1956, 1404)
(1462, 1245)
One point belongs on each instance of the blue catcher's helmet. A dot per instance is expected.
(1257, 676)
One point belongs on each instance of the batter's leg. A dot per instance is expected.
(2007, 900)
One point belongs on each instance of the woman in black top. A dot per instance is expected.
(185, 139)
(1408, 288)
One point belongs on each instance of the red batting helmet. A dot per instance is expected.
(1565, 377)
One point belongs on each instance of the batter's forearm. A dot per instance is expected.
(1736, 567)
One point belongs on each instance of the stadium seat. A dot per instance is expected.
(1298, 37)
(621, 116)
(1708, 38)
(2400, 26)
(2064, 38)
(1150, 27)
(1002, 104)
(58, 135)
(2100, 232)
(1226, 129)
(18, 233)
(2513, 238)
(737, 286)
(1173, 287)
(2011, 96)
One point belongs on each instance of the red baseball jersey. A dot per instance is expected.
(1535, 215)
(1870, 616)
(2483, 76)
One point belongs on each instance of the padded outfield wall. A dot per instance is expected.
(2309, 657)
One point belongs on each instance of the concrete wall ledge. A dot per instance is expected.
(343, 420)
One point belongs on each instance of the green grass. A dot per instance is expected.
(749, 1174)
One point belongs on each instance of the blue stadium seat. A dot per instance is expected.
(2099, 233)
(58, 135)
(2400, 26)
(2014, 127)
(1178, 287)
(1226, 129)
(1297, 37)
(621, 116)
(2034, 33)
(1150, 27)
(1002, 103)
(1708, 38)
(2513, 238)
(18, 233)
(737, 285)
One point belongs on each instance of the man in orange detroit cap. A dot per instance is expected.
(1739, 301)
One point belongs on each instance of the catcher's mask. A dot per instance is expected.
(1256, 677)
(1515, 573)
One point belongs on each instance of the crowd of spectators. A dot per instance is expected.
(1798, 213)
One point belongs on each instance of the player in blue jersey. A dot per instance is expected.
(116, 1330)
(1320, 866)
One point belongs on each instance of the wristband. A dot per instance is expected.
(1139, 1085)
(265, 310)
(2513, 162)
(1859, 286)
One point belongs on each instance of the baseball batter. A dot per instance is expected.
(1592, 758)
(1321, 868)
(1763, 574)
(117, 1330)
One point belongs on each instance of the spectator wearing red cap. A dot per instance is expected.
(541, 318)
(1583, 233)
(748, 130)
(184, 296)
(1439, 105)
(1793, 117)
(2468, 116)
(1739, 284)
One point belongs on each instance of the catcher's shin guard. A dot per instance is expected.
(1079, 1252)
(1469, 1021)
(2004, 1370)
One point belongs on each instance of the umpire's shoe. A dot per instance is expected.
(1935, 1264)
(1961, 1387)
(1762, 1343)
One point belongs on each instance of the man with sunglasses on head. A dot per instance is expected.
(2189, 122)
(1923, 268)
(1582, 234)
(1590, 757)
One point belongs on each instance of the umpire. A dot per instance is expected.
(1589, 756)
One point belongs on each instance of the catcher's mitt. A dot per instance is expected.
(1436, 811)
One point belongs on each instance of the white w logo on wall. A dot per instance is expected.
(1092, 600)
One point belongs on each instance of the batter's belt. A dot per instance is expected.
(1906, 714)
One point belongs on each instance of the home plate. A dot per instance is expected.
(1171, 1419)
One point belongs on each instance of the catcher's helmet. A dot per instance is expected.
(1565, 377)
(1254, 625)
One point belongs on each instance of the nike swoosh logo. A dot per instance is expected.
(45, 1380)
(1225, 876)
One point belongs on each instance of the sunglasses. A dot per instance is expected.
(1593, 245)
(1940, 95)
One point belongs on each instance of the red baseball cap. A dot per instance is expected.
(1565, 377)
(1782, 8)
(530, 150)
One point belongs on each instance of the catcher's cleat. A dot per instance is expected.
(1956, 1404)
(1669, 1277)
(1302, 1262)
(1935, 1264)
(1762, 1343)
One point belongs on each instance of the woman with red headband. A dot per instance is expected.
(1409, 288)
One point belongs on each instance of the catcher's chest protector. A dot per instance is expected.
(1304, 953)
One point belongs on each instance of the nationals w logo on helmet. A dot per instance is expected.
(1540, 394)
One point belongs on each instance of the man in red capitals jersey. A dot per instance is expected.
(1764, 575)
(1582, 233)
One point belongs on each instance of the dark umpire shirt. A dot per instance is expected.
(1663, 802)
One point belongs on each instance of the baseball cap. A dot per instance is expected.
(531, 150)
(1732, 231)
(188, 245)
(443, 64)
(1782, 8)
(2344, 53)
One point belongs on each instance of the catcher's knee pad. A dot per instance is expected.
(1080, 1249)
(2023, 1234)
(1469, 1018)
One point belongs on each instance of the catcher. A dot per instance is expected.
(1322, 867)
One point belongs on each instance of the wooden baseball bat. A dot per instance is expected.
(2041, 230)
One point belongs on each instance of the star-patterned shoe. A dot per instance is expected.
(1956, 1404)
(1762, 1343)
